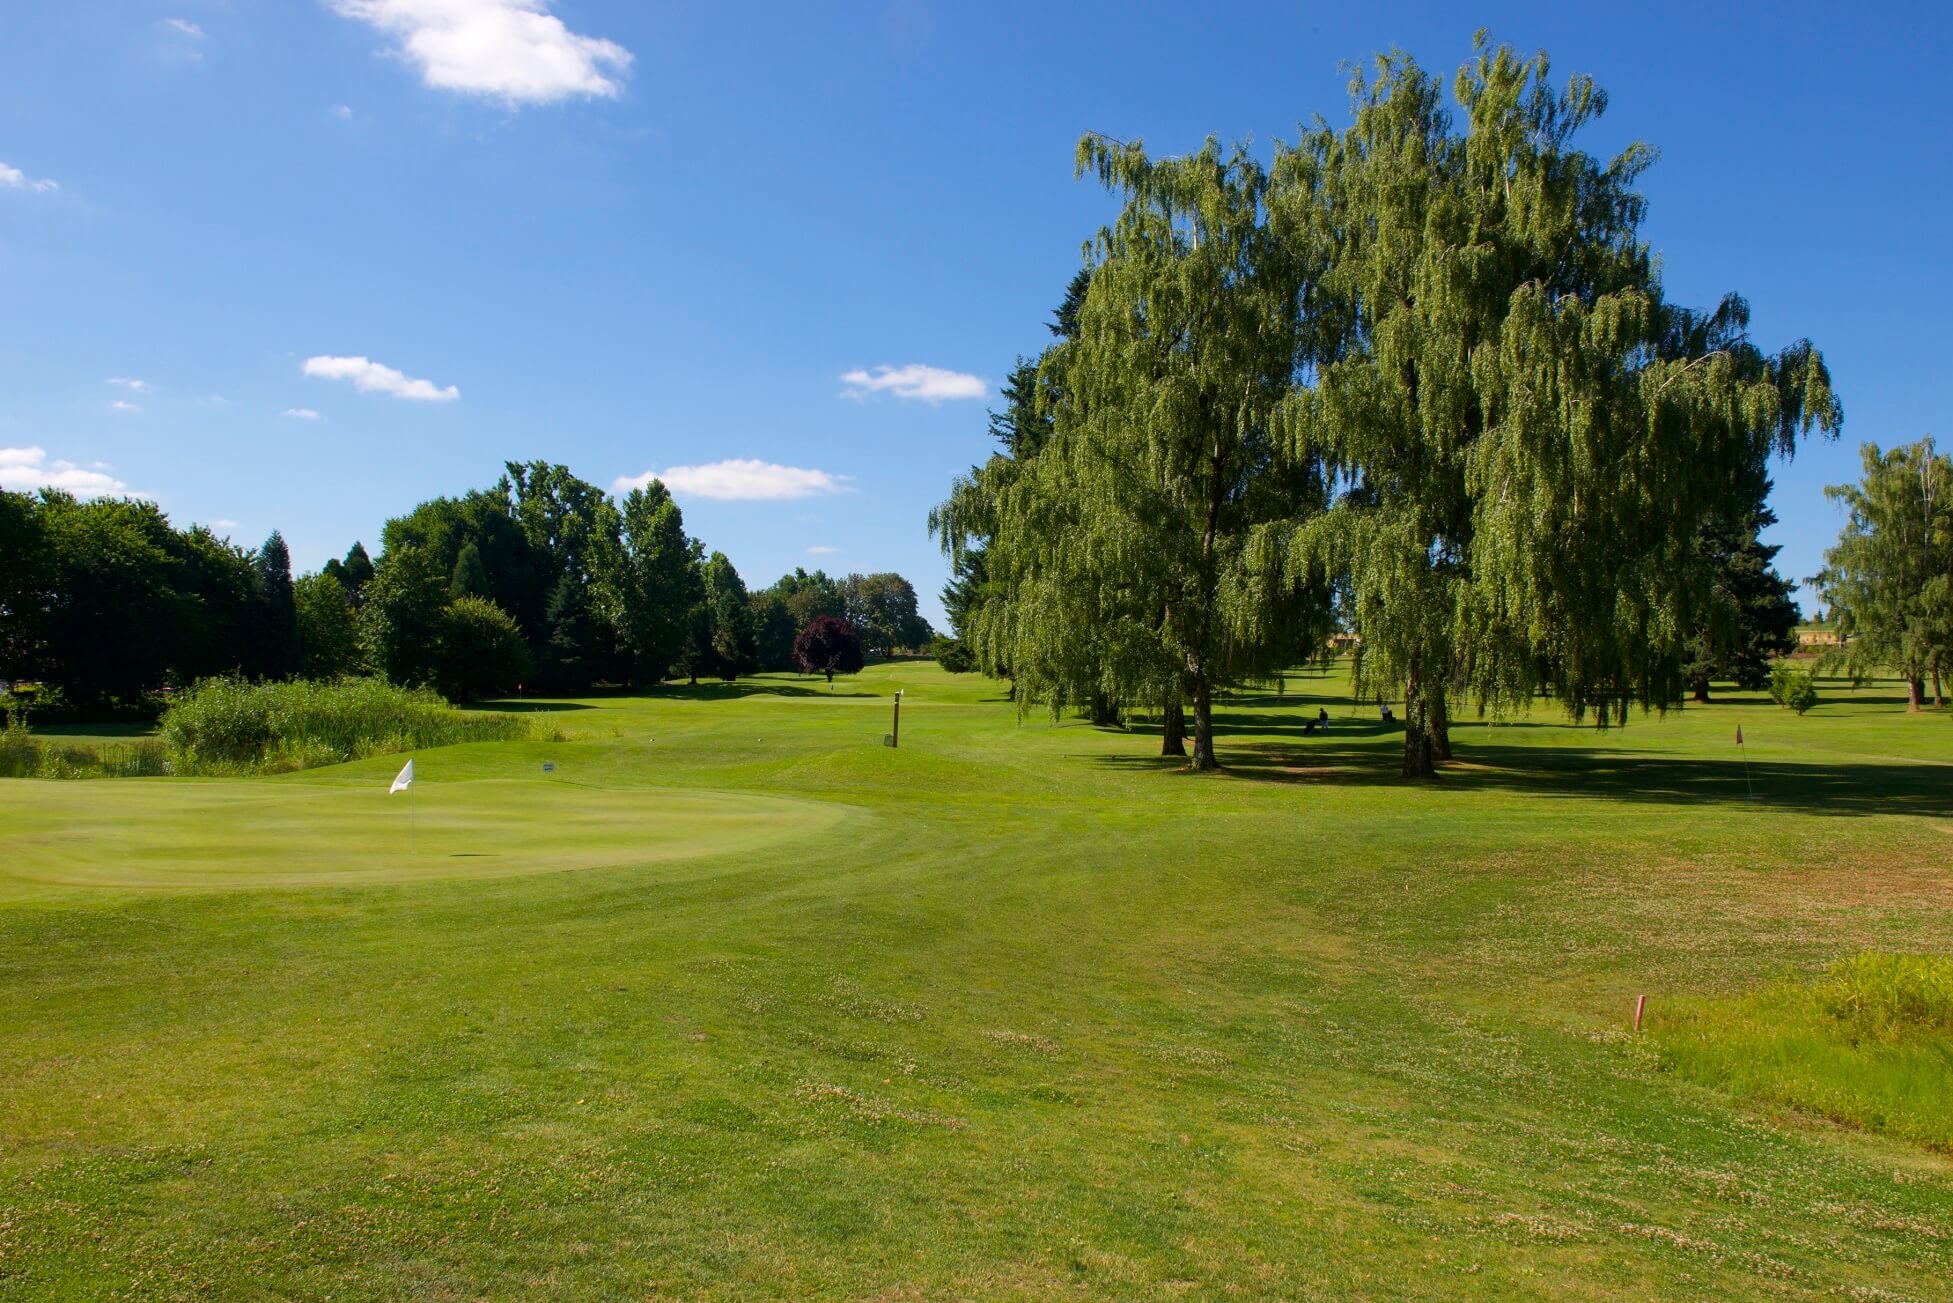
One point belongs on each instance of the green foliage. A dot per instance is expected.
(1889, 579)
(952, 654)
(470, 577)
(773, 630)
(810, 596)
(481, 652)
(734, 650)
(228, 725)
(400, 614)
(1792, 688)
(571, 653)
(278, 655)
(658, 582)
(882, 609)
(1867, 1044)
(328, 628)
(1748, 618)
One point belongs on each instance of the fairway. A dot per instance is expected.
(1017, 1010)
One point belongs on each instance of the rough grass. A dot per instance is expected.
(1869, 1044)
(1031, 1014)
(25, 755)
(229, 726)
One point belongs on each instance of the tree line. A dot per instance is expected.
(541, 580)
(1416, 378)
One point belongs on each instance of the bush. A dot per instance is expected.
(952, 654)
(230, 726)
(481, 650)
(1792, 688)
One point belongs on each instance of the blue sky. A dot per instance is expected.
(303, 263)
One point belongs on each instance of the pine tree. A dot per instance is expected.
(570, 652)
(731, 617)
(1748, 618)
(278, 656)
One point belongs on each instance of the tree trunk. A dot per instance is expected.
(1438, 712)
(1105, 711)
(1939, 698)
(1418, 761)
(1173, 728)
(1203, 713)
(1915, 694)
(1702, 690)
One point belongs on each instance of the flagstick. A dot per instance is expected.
(413, 832)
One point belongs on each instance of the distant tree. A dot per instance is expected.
(400, 620)
(882, 609)
(1748, 616)
(773, 630)
(952, 654)
(733, 644)
(278, 637)
(809, 596)
(1889, 580)
(658, 582)
(114, 618)
(27, 585)
(570, 651)
(470, 576)
(828, 646)
(353, 573)
(481, 651)
(328, 629)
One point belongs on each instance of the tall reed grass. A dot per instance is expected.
(25, 755)
(1868, 1043)
(224, 726)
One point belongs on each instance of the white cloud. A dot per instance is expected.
(739, 480)
(821, 549)
(223, 524)
(302, 414)
(371, 377)
(130, 383)
(119, 406)
(929, 383)
(344, 112)
(513, 49)
(185, 27)
(26, 469)
(14, 179)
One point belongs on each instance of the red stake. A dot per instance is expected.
(1640, 1003)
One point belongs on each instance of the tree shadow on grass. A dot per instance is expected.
(1589, 773)
(526, 706)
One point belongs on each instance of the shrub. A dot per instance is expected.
(20, 755)
(228, 725)
(1792, 688)
(481, 650)
(952, 654)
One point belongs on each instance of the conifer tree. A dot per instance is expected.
(278, 637)
(470, 578)
(731, 619)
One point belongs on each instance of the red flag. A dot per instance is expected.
(1739, 735)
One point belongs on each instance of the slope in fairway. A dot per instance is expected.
(149, 835)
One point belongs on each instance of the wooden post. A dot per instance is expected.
(897, 734)
(1640, 1004)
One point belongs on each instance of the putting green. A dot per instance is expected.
(173, 835)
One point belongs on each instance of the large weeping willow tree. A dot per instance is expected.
(1524, 434)
(1122, 543)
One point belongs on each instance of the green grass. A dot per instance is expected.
(1870, 1044)
(738, 1002)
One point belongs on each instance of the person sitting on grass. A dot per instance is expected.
(1388, 718)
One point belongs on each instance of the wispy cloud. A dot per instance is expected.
(184, 27)
(739, 480)
(130, 383)
(821, 549)
(344, 112)
(12, 178)
(120, 405)
(514, 50)
(26, 469)
(302, 414)
(371, 377)
(930, 383)
(223, 524)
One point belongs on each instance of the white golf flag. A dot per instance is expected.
(402, 780)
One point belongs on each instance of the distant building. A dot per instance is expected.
(1816, 635)
(1343, 642)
